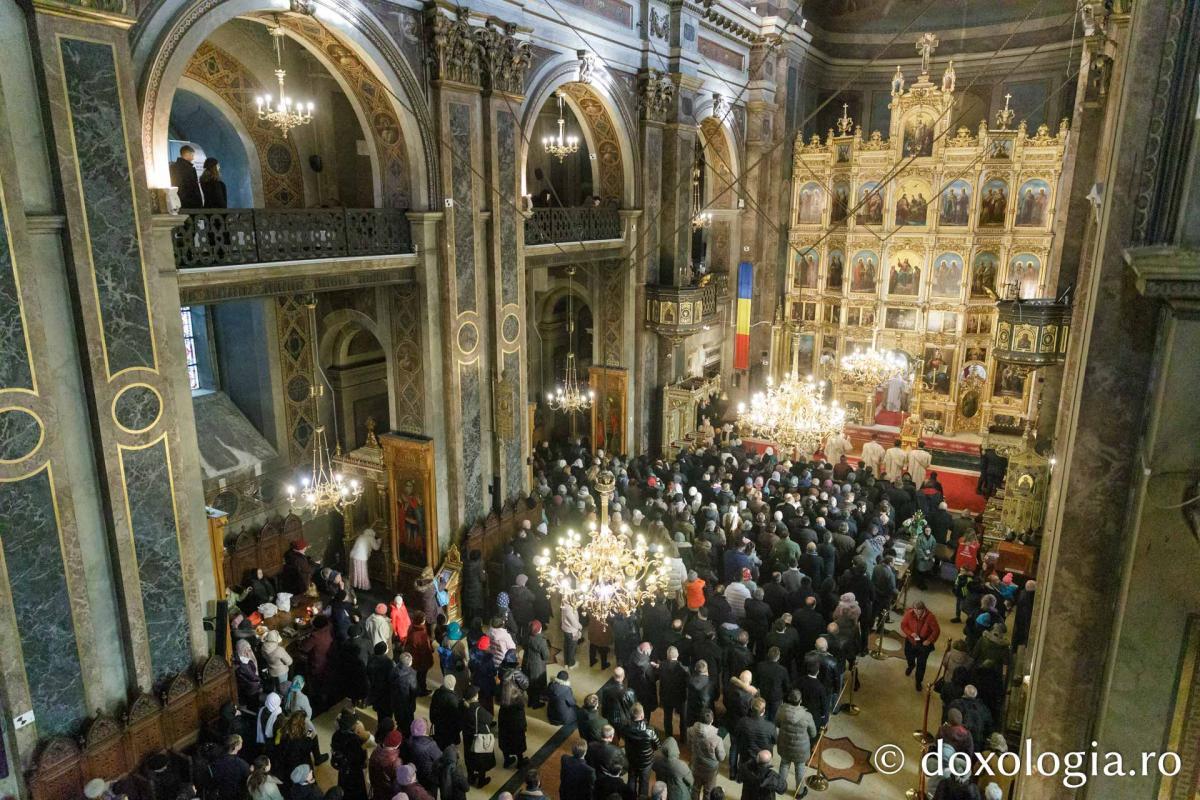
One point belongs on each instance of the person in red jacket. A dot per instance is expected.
(921, 631)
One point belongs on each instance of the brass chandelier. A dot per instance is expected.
(283, 113)
(570, 396)
(603, 573)
(868, 369)
(323, 489)
(561, 146)
(792, 414)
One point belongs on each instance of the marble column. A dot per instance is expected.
(656, 98)
(1104, 405)
(47, 634)
(505, 57)
(134, 364)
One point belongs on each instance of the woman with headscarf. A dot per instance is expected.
(259, 589)
(249, 683)
(365, 543)
(276, 656)
(421, 649)
(295, 700)
(513, 697)
(406, 776)
(400, 619)
(349, 756)
(455, 653)
(426, 587)
(268, 718)
(477, 720)
(422, 752)
(379, 627)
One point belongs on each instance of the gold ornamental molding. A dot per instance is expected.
(103, 12)
(1167, 273)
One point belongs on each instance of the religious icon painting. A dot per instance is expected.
(936, 369)
(811, 205)
(1009, 382)
(955, 204)
(904, 276)
(1033, 204)
(918, 136)
(837, 271)
(975, 354)
(869, 204)
(901, 319)
(947, 274)
(912, 204)
(993, 202)
(841, 202)
(1025, 270)
(941, 322)
(864, 270)
(807, 261)
(843, 153)
(983, 275)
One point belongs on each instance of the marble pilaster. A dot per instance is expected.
(1109, 366)
(133, 362)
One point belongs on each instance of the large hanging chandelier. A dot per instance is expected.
(603, 572)
(700, 219)
(868, 369)
(570, 395)
(561, 146)
(323, 489)
(792, 414)
(283, 112)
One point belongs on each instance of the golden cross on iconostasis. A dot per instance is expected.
(925, 46)
(845, 124)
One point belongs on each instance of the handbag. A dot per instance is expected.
(484, 742)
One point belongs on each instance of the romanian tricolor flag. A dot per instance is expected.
(741, 341)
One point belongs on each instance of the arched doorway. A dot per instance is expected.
(557, 340)
(201, 119)
(565, 179)
(355, 366)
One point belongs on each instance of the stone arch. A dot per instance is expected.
(721, 162)
(279, 162)
(167, 37)
(333, 327)
(255, 156)
(608, 124)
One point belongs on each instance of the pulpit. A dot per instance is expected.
(412, 507)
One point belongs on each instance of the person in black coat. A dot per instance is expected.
(452, 783)
(813, 693)
(772, 680)
(857, 580)
(576, 780)
(701, 692)
(604, 756)
(752, 734)
(423, 753)
(229, 771)
(476, 719)
(379, 670)
(354, 655)
(348, 757)
(560, 700)
(759, 781)
(445, 712)
(616, 700)
(643, 678)
(641, 743)
(672, 692)
(184, 178)
(212, 185)
(588, 721)
(402, 684)
(758, 620)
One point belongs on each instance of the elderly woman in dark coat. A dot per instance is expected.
(513, 686)
(537, 654)
(445, 712)
(476, 720)
(423, 753)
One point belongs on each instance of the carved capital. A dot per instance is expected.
(504, 59)
(454, 49)
(657, 95)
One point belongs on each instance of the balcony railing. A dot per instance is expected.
(227, 237)
(714, 290)
(554, 225)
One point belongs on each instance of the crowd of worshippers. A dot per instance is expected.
(780, 571)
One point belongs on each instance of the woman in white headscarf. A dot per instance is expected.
(360, 554)
(268, 716)
(245, 670)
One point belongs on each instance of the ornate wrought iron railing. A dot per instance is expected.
(554, 225)
(227, 237)
(714, 290)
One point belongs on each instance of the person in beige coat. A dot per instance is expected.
(572, 632)
(276, 656)
(708, 751)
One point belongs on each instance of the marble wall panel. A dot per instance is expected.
(15, 370)
(514, 459)
(472, 431)
(33, 561)
(464, 205)
(95, 109)
(506, 147)
(151, 501)
(653, 200)
(409, 377)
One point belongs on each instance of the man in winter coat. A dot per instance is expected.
(772, 680)
(753, 733)
(921, 631)
(759, 781)
(641, 742)
(576, 779)
(643, 678)
(672, 691)
(537, 655)
(701, 692)
(672, 771)
(797, 732)
(707, 750)
(445, 712)
(617, 701)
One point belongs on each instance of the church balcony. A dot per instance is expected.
(714, 293)
(560, 225)
(239, 236)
